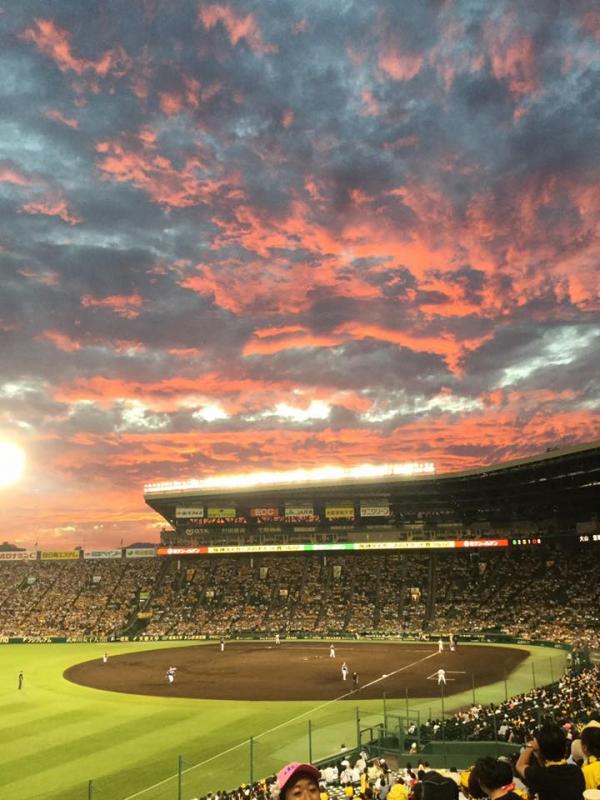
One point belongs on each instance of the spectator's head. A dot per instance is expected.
(590, 740)
(298, 781)
(487, 775)
(551, 741)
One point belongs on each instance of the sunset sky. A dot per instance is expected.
(289, 233)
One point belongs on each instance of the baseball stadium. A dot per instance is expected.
(396, 613)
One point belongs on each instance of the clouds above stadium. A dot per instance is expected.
(272, 234)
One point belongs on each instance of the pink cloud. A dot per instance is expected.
(9, 174)
(127, 306)
(136, 159)
(238, 27)
(62, 341)
(55, 42)
(398, 65)
(52, 207)
(58, 116)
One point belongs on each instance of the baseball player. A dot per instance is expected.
(441, 673)
(344, 671)
(222, 645)
(440, 645)
(452, 645)
(171, 675)
(277, 639)
(355, 680)
(104, 658)
(21, 679)
(331, 651)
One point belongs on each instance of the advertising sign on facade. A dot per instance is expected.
(18, 555)
(299, 510)
(339, 511)
(222, 513)
(55, 555)
(103, 554)
(188, 512)
(266, 513)
(140, 552)
(372, 510)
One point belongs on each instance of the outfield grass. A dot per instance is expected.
(56, 736)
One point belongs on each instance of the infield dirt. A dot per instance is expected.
(298, 670)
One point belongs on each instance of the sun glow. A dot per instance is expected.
(12, 463)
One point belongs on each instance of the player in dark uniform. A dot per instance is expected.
(21, 679)
(355, 680)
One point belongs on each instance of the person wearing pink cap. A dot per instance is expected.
(298, 781)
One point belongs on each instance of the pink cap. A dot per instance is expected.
(287, 773)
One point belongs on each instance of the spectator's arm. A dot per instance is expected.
(524, 760)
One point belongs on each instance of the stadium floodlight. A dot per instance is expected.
(295, 476)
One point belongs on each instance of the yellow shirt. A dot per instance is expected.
(398, 792)
(591, 773)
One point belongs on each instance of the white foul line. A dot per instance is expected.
(281, 725)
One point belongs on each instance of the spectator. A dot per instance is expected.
(543, 766)
(491, 777)
(298, 781)
(590, 746)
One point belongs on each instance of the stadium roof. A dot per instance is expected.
(559, 477)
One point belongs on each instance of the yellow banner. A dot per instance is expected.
(67, 555)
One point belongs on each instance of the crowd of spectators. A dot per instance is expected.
(571, 701)
(538, 593)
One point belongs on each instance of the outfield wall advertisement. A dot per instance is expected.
(19, 555)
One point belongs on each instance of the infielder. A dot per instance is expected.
(171, 675)
(440, 645)
(222, 645)
(331, 651)
(344, 671)
(441, 673)
(277, 639)
(104, 658)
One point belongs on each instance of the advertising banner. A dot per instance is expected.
(144, 595)
(339, 511)
(188, 512)
(482, 543)
(267, 513)
(374, 511)
(144, 614)
(103, 554)
(221, 513)
(140, 552)
(299, 510)
(181, 551)
(66, 555)
(18, 555)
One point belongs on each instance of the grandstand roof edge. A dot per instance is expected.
(548, 455)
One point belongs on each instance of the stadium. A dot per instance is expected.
(259, 593)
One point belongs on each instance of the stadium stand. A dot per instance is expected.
(542, 593)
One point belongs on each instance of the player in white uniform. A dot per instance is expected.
(277, 639)
(331, 651)
(105, 658)
(344, 671)
(222, 644)
(452, 645)
(440, 645)
(441, 673)
(171, 674)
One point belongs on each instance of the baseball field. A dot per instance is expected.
(80, 728)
